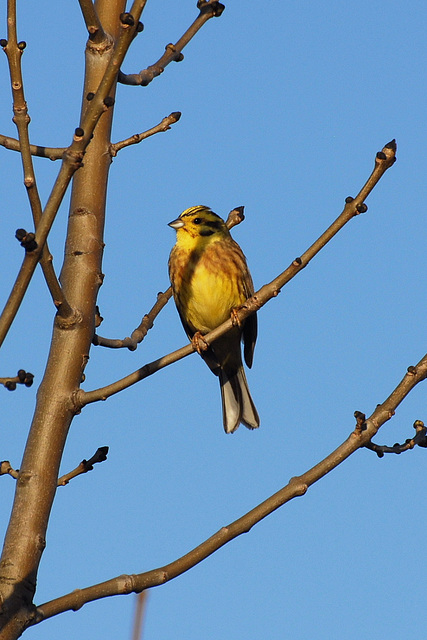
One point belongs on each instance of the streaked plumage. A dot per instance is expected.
(209, 278)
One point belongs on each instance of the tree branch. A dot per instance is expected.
(6, 468)
(72, 159)
(297, 486)
(420, 439)
(383, 161)
(52, 153)
(22, 377)
(86, 465)
(164, 125)
(208, 9)
(14, 51)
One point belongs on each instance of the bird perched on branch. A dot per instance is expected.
(210, 278)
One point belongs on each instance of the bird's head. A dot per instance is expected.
(199, 223)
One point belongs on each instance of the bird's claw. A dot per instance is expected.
(199, 343)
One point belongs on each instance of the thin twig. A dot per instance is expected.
(297, 486)
(354, 206)
(164, 125)
(6, 468)
(420, 440)
(208, 9)
(141, 331)
(23, 377)
(85, 465)
(52, 153)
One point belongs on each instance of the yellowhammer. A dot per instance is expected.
(210, 278)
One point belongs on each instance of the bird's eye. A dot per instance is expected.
(197, 220)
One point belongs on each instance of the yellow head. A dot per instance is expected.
(198, 226)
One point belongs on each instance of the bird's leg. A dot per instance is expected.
(199, 343)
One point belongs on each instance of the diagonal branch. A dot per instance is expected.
(297, 486)
(383, 161)
(164, 125)
(173, 52)
(100, 455)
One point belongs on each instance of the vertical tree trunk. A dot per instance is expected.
(71, 340)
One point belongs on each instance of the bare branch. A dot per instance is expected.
(71, 161)
(52, 153)
(353, 207)
(164, 125)
(208, 9)
(14, 51)
(420, 439)
(297, 486)
(6, 468)
(93, 24)
(86, 465)
(141, 331)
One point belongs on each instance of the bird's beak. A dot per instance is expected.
(176, 224)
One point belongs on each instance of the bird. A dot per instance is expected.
(210, 279)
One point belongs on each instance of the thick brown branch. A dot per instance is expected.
(297, 486)
(164, 125)
(353, 207)
(173, 52)
(69, 349)
(52, 153)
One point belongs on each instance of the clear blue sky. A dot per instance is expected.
(284, 107)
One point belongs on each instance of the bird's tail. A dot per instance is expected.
(237, 404)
